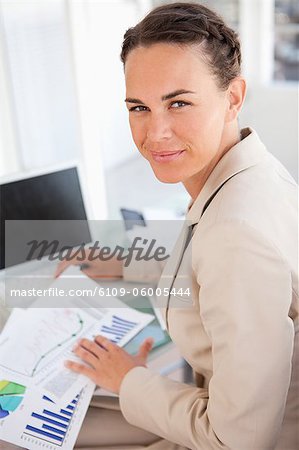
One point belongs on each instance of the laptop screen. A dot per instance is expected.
(53, 196)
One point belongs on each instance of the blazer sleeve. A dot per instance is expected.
(245, 296)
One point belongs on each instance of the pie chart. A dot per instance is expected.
(11, 396)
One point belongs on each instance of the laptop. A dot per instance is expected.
(39, 207)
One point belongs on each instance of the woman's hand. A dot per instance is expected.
(107, 363)
(93, 267)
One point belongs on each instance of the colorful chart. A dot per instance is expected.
(10, 397)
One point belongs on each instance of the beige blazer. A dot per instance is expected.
(239, 329)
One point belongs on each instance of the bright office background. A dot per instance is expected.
(62, 92)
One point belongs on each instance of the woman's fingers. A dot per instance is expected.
(64, 265)
(70, 260)
(86, 356)
(60, 268)
(91, 346)
(104, 343)
(80, 368)
(145, 348)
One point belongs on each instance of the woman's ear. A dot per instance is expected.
(236, 93)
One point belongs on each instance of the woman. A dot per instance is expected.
(184, 92)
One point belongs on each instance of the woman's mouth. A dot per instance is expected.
(166, 156)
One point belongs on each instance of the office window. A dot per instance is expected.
(286, 53)
(38, 61)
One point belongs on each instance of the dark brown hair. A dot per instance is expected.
(190, 24)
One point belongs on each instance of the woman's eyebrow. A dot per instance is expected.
(175, 94)
(134, 100)
(163, 98)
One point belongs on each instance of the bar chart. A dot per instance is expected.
(52, 423)
(117, 328)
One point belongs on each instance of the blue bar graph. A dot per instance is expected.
(44, 433)
(47, 419)
(120, 319)
(47, 427)
(51, 424)
(67, 413)
(118, 328)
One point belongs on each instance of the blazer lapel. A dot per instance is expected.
(246, 153)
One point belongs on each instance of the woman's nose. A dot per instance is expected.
(158, 128)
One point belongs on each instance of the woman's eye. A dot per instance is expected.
(179, 104)
(138, 108)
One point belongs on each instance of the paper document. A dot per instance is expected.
(40, 400)
(34, 421)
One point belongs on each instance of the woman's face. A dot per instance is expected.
(177, 112)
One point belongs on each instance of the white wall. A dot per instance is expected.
(271, 108)
(273, 111)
